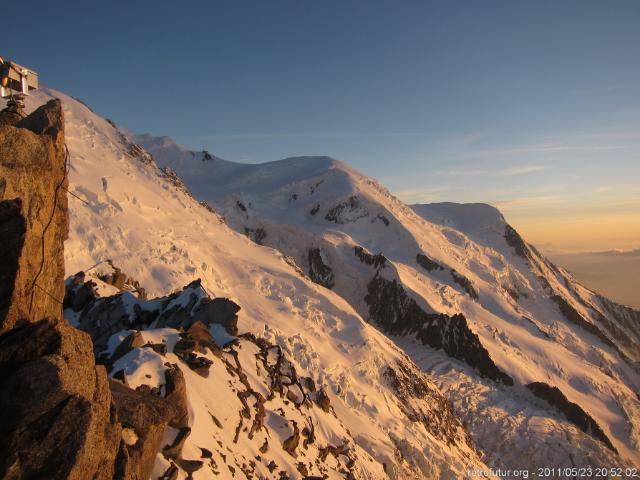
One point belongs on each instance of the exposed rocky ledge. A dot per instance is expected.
(574, 412)
(376, 261)
(465, 283)
(399, 314)
(427, 263)
(319, 271)
(33, 216)
(346, 212)
(514, 240)
(101, 317)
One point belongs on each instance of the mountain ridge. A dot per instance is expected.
(517, 302)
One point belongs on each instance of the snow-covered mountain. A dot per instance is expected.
(304, 386)
(543, 370)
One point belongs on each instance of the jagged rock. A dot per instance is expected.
(291, 444)
(159, 348)
(58, 420)
(257, 235)
(171, 473)
(221, 311)
(571, 314)
(175, 449)
(197, 337)
(133, 340)
(465, 283)
(189, 466)
(176, 395)
(574, 412)
(397, 313)
(427, 263)
(121, 281)
(79, 293)
(348, 211)
(33, 216)
(376, 261)
(56, 404)
(105, 316)
(319, 272)
(200, 365)
(514, 240)
(184, 346)
(147, 415)
(323, 400)
(199, 332)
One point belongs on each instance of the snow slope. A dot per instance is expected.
(390, 415)
(523, 319)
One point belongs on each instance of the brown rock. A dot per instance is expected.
(58, 422)
(34, 222)
(291, 443)
(175, 449)
(219, 310)
(146, 415)
(176, 395)
(199, 332)
(133, 340)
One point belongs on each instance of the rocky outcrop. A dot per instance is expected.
(348, 211)
(465, 283)
(256, 234)
(574, 412)
(428, 264)
(514, 240)
(144, 418)
(58, 418)
(376, 261)
(319, 271)
(418, 398)
(118, 279)
(571, 314)
(399, 314)
(33, 216)
(104, 316)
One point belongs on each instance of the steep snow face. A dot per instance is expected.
(456, 279)
(127, 209)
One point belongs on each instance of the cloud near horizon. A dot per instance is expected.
(504, 172)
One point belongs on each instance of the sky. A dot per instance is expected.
(533, 107)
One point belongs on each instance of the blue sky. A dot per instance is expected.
(532, 106)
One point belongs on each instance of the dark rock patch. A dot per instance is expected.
(428, 264)
(514, 240)
(399, 314)
(571, 314)
(319, 272)
(574, 413)
(465, 283)
(376, 261)
(352, 205)
(408, 384)
(256, 234)
(383, 219)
